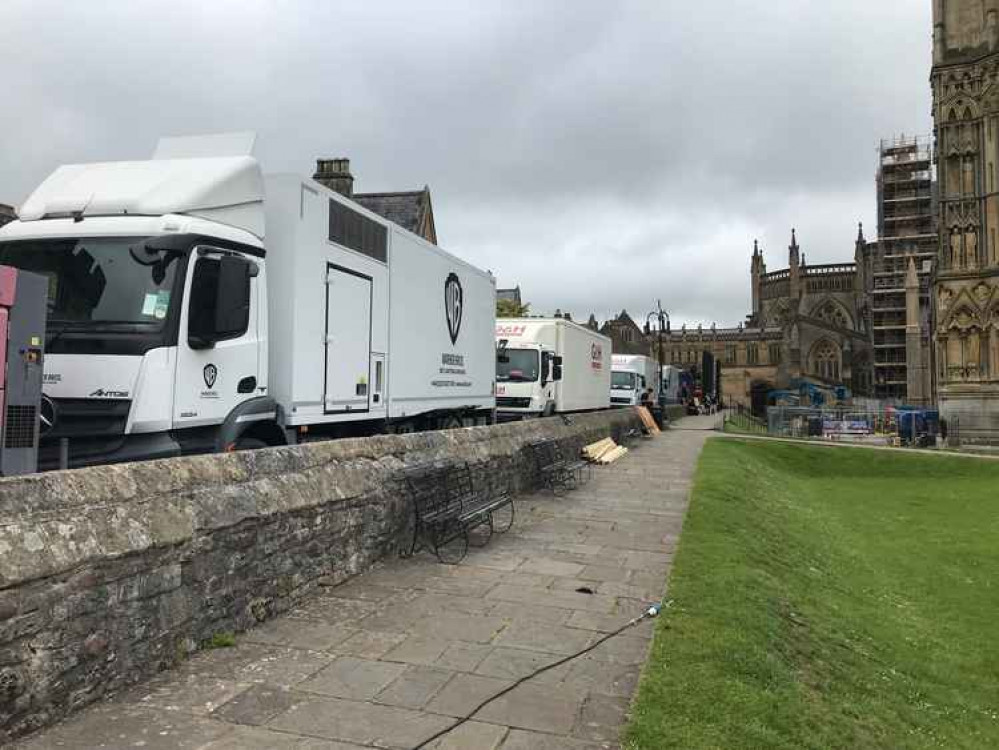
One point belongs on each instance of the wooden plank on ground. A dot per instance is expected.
(593, 451)
(613, 455)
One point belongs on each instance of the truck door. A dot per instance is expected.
(348, 341)
(218, 355)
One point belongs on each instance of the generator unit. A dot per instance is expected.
(22, 349)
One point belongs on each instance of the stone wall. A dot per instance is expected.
(109, 574)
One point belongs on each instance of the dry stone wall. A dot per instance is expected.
(110, 574)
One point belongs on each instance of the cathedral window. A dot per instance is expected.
(752, 354)
(774, 354)
(730, 354)
(833, 314)
(826, 361)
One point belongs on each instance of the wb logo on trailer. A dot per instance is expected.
(210, 372)
(454, 301)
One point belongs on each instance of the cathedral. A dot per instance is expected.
(965, 81)
(808, 327)
(915, 318)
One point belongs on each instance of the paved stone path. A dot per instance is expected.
(390, 657)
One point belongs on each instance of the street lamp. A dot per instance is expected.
(662, 318)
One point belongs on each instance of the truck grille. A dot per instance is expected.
(617, 400)
(89, 417)
(512, 402)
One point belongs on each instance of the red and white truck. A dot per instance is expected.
(548, 366)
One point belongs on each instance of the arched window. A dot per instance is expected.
(833, 314)
(826, 360)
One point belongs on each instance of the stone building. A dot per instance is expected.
(411, 209)
(510, 295)
(625, 335)
(6, 214)
(965, 83)
(807, 324)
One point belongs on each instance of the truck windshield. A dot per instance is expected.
(100, 280)
(621, 379)
(517, 366)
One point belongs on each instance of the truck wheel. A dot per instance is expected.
(249, 444)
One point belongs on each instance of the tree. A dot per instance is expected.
(508, 308)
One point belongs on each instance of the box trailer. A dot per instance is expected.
(548, 366)
(195, 305)
(631, 376)
(671, 385)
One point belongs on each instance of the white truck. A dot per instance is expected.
(671, 384)
(548, 366)
(631, 376)
(195, 305)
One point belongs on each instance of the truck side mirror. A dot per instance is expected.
(220, 300)
(556, 368)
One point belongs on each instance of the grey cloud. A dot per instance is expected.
(599, 154)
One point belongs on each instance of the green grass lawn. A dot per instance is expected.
(829, 598)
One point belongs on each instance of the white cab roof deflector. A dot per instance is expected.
(183, 178)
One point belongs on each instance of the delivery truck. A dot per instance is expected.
(671, 385)
(547, 366)
(196, 305)
(631, 376)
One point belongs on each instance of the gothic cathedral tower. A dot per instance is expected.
(965, 80)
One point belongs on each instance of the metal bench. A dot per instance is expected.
(570, 457)
(629, 436)
(447, 505)
(551, 470)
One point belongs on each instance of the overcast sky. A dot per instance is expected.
(599, 154)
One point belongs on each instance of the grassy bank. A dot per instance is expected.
(829, 599)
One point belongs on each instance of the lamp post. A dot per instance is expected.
(662, 318)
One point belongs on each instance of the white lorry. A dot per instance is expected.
(671, 385)
(548, 366)
(631, 376)
(196, 305)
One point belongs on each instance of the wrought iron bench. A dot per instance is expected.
(551, 470)
(569, 454)
(630, 435)
(447, 505)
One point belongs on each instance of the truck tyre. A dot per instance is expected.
(249, 444)
(549, 409)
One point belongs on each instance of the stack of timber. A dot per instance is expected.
(604, 451)
(648, 423)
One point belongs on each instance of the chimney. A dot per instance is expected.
(335, 174)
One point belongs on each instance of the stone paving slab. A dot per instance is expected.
(392, 656)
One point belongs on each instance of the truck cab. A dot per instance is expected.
(627, 388)
(155, 332)
(156, 341)
(631, 376)
(525, 380)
